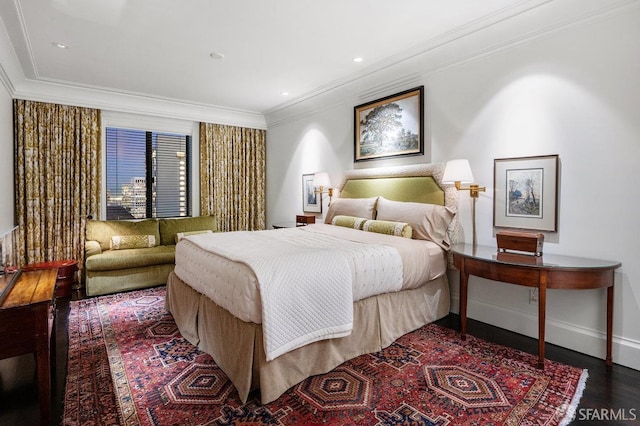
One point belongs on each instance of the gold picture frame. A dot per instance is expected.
(390, 127)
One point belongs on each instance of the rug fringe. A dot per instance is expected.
(571, 410)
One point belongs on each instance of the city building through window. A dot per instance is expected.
(148, 174)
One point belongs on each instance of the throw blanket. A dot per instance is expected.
(306, 283)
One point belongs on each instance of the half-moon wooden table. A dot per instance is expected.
(548, 271)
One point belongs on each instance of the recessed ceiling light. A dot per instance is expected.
(284, 93)
(60, 45)
(216, 55)
(357, 59)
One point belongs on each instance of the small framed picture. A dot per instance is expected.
(526, 193)
(311, 200)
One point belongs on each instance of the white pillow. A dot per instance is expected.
(428, 221)
(181, 235)
(358, 207)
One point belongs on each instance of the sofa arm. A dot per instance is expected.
(91, 248)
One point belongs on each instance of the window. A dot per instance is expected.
(148, 174)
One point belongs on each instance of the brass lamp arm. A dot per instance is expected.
(474, 190)
(321, 190)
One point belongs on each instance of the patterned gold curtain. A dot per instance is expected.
(232, 176)
(57, 178)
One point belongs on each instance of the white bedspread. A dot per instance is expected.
(305, 280)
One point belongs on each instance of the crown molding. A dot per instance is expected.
(418, 50)
(20, 86)
(135, 103)
(409, 68)
(341, 96)
(429, 58)
(6, 81)
(548, 31)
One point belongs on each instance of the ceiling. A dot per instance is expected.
(161, 48)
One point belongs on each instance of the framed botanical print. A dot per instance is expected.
(526, 193)
(390, 127)
(311, 200)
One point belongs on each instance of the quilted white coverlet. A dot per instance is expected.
(305, 281)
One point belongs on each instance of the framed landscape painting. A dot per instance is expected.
(526, 193)
(390, 127)
(311, 200)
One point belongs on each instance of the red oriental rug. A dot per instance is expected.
(129, 365)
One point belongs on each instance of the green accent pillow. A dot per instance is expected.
(120, 242)
(181, 235)
(399, 229)
(348, 221)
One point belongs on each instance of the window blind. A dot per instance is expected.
(170, 176)
(147, 174)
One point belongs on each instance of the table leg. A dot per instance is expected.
(43, 362)
(542, 312)
(464, 282)
(608, 359)
(44, 385)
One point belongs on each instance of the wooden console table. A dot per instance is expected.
(544, 272)
(26, 325)
(66, 274)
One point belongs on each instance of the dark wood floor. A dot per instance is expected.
(612, 392)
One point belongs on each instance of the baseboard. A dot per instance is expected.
(625, 351)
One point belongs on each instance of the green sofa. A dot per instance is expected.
(142, 254)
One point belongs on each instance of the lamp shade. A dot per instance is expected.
(457, 171)
(321, 179)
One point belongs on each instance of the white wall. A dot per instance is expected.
(575, 94)
(6, 160)
(572, 91)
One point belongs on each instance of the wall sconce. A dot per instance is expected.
(458, 172)
(322, 183)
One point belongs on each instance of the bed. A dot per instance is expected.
(240, 343)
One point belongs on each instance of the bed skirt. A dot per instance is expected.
(237, 346)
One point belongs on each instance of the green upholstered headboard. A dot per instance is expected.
(420, 189)
(420, 183)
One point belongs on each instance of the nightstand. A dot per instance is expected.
(303, 220)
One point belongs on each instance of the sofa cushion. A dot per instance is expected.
(169, 228)
(91, 248)
(105, 282)
(110, 260)
(102, 230)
